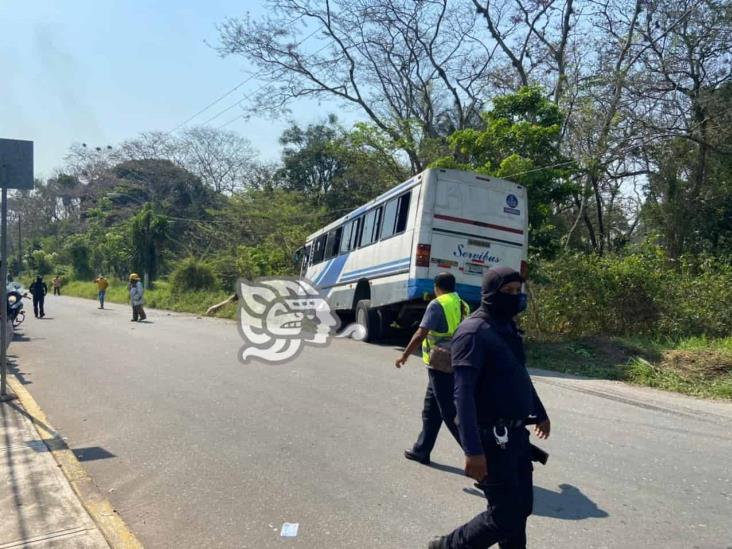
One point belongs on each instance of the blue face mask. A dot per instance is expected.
(523, 302)
(507, 306)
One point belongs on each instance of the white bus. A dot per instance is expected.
(378, 262)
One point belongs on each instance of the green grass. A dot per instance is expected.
(695, 366)
(160, 297)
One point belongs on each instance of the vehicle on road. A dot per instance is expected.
(16, 313)
(377, 262)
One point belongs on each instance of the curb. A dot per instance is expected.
(110, 523)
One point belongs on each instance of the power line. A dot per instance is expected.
(232, 90)
(260, 88)
(224, 96)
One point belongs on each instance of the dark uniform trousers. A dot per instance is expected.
(439, 406)
(38, 305)
(508, 487)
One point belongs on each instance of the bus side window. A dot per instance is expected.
(371, 224)
(319, 249)
(403, 213)
(356, 234)
(346, 237)
(390, 214)
(334, 243)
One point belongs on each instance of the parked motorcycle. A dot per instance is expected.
(16, 314)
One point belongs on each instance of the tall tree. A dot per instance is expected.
(416, 70)
(520, 141)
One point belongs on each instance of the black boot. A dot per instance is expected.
(414, 456)
(437, 543)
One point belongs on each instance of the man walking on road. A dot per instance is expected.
(495, 399)
(136, 298)
(102, 285)
(438, 324)
(56, 282)
(38, 290)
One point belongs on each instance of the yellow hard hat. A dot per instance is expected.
(134, 276)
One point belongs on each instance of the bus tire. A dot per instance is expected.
(368, 318)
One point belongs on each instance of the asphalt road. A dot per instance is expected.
(198, 450)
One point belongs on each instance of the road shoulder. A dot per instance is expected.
(95, 516)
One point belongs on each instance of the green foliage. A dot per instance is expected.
(149, 233)
(78, 254)
(192, 274)
(41, 262)
(337, 169)
(520, 142)
(643, 293)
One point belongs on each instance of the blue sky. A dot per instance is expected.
(103, 71)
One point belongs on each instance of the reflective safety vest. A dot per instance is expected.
(455, 309)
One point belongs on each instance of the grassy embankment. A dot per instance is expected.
(159, 297)
(694, 366)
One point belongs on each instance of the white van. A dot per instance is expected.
(378, 262)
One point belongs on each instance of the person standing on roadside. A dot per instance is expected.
(136, 298)
(440, 320)
(102, 285)
(38, 290)
(56, 282)
(495, 400)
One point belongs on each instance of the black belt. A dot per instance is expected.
(508, 423)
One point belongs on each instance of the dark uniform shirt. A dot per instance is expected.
(491, 381)
(38, 289)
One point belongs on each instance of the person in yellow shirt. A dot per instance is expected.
(102, 285)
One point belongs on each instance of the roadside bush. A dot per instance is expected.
(191, 275)
(41, 262)
(643, 293)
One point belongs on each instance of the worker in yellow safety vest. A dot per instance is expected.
(440, 320)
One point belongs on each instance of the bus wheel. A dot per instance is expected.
(369, 319)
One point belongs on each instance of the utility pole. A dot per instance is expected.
(20, 247)
(16, 171)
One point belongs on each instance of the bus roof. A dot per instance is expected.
(395, 191)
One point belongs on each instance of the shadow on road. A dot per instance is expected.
(567, 504)
(15, 371)
(92, 453)
(447, 469)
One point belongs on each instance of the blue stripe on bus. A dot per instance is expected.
(417, 287)
(333, 272)
(321, 274)
(379, 273)
(380, 266)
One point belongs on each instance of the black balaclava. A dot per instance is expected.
(494, 303)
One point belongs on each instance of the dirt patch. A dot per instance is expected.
(611, 350)
(707, 364)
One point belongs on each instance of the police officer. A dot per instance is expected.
(495, 398)
(439, 322)
(38, 290)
